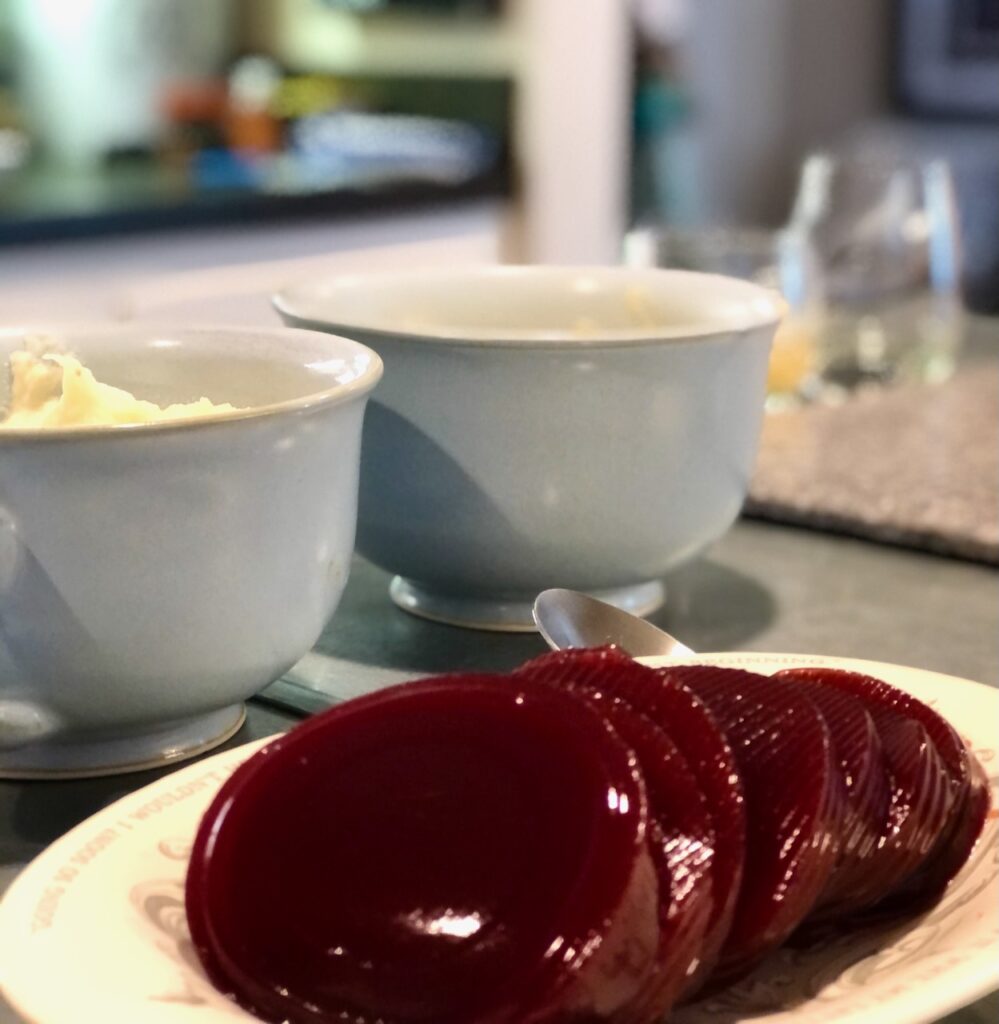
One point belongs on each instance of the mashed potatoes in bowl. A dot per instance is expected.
(53, 390)
(164, 556)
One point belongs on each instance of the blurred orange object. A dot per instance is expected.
(250, 127)
(190, 102)
(194, 110)
(792, 359)
(252, 131)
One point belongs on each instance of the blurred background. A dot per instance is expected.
(556, 125)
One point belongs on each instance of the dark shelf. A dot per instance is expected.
(222, 207)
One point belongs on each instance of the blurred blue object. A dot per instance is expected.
(224, 169)
(392, 146)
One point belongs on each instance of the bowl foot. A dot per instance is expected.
(508, 615)
(132, 751)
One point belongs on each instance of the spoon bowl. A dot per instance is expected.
(567, 618)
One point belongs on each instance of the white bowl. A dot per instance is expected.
(153, 577)
(548, 427)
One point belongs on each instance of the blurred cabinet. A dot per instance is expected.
(391, 40)
(129, 108)
(570, 62)
(90, 72)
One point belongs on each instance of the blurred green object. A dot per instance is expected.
(661, 109)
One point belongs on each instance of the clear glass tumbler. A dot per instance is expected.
(884, 249)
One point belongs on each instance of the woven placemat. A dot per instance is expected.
(915, 466)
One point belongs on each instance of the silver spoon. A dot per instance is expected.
(566, 618)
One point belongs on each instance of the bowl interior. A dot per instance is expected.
(250, 369)
(524, 304)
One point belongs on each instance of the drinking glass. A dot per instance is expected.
(883, 242)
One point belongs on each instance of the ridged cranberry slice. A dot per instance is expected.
(685, 845)
(921, 801)
(696, 735)
(460, 849)
(793, 804)
(955, 846)
(682, 843)
(965, 782)
(864, 772)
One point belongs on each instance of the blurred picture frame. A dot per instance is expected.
(947, 61)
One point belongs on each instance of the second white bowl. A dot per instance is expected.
(548, 427)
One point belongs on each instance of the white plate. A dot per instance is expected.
(97, 921)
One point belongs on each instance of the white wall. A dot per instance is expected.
(769, 81)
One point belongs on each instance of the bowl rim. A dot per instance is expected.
(764, 308)
(339, 394)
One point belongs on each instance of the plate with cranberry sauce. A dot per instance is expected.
(586, 839)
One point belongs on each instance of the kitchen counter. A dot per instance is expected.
(763, 587)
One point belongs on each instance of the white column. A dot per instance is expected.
(573, 131)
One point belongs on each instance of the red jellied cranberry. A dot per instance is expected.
(459, 850)
(682, 839)
(965, 784)
(696, 735)
(920, 804)
(955, 845)
(793, 804)
(858, 750)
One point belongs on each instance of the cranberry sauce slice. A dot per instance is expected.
(684, 836)
(954, 851)
(921, 802)
(966, 783)
(685, 846)
(696, 735)
(459, 849)
(857, 747)
(794, 804)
